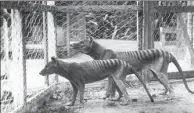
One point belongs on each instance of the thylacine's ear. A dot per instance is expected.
(54, 60)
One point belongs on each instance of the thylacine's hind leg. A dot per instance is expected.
(159, 70)
(163, 72)
(163, 79)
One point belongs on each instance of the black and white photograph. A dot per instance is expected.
(97, 56)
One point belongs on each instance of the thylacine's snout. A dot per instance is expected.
(74, 45)
(42, 72)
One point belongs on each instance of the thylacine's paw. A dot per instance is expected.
(69, 104)
(170, 96)
(114, 99)
(81, 105)
(163, 93)
(124, 103)
(105, 97)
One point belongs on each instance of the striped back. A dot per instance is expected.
(103, 65)
(149, 54)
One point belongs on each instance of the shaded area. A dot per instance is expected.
(180, 102)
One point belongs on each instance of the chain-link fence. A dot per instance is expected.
(110, 20)
(173, 31)
(27, 41)
(32, 32)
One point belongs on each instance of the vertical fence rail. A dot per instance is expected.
(19, 61)
(145, 34)
(187, 37)
(84, 26)
(32, 42)
(45, 38)
(51, 34)
(137, 24)
(68, 36)
(6, 45)
(172, 33)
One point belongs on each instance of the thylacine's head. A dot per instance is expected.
(84, 46)
(55, 66)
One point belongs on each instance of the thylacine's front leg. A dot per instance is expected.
(117, 77)
(120, 94)
(110, 88)
(75, 91)
(81, 92)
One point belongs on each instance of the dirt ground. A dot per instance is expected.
(180, 102)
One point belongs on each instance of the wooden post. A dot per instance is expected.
(137, 24)
(5, 36)
(148, 41)
(68, 36)
(190, 27)
(18, 69)
(51, 34)
(45, 38)
(84, 28)
(139, 28)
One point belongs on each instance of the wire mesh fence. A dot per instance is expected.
(32, 32)
(173, 31)
(26, 43)
(113, 20)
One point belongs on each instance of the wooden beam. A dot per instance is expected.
(51, 34)
(148, 38)
(98, 8)
(68, 36)
(176, 75)
(175, 9)
(45, 40)
(186, 38)
(96, 0)
(148, 41)
(18, 73)
(25, 5)
(38, 100)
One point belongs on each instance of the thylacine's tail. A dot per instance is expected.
(142, 82)
(181, 72)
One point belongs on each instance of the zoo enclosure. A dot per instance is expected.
(44, 31)
(170, 27)
(28, 40)
(166, 25)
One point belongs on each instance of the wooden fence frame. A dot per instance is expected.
(148, 30)
(147, 42)
(19, 58)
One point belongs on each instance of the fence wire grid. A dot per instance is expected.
(33, 31)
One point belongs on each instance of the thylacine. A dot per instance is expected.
(157, 61)
(80, 74)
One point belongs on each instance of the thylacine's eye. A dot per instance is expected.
(81, 42)
(47, 68)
